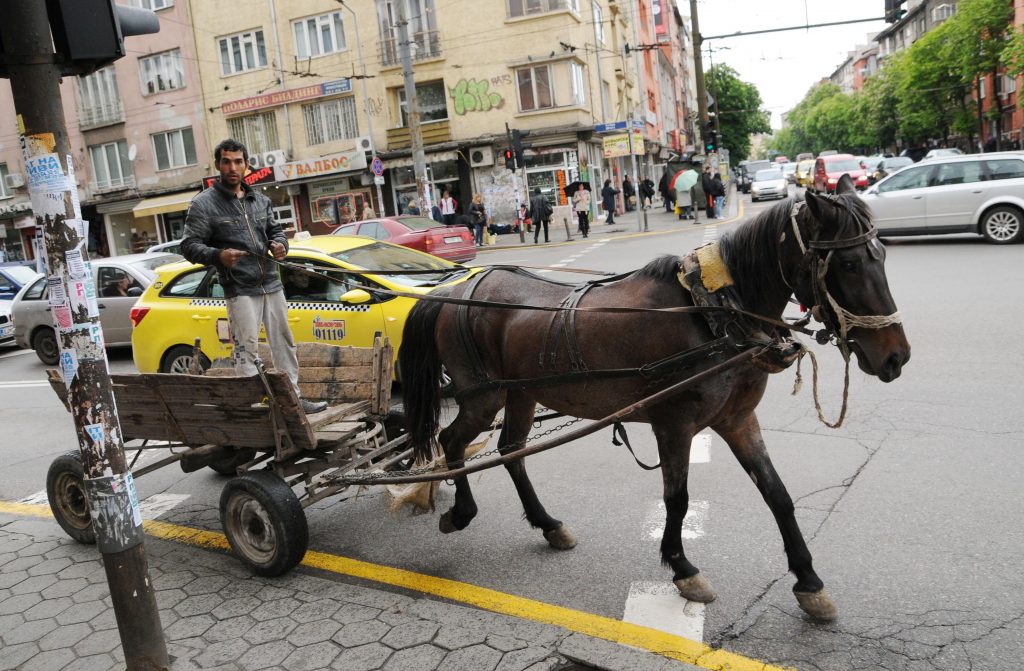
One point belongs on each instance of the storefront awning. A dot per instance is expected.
(174, 202)
(407, 161)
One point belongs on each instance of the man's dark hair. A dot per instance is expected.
(230, 145)
(536, 190)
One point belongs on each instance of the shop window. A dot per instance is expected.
(534, 86)
(110, 165)
(258, 132)
(319, 35)
(242, 52)
(161, 72)
(432, 102)
(331, 120)
(174, 149)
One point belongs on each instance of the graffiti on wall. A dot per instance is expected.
(474, 95)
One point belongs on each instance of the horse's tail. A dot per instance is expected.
(420, 368)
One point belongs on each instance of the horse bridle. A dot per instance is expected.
(838, 327)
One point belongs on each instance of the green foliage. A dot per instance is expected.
(739, 105)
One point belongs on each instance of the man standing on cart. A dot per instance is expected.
(232, 228)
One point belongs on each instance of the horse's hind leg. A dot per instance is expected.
(674, 450)
(475, 416)
(744, 439)
(518, 419)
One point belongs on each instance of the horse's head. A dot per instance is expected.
(842, 275)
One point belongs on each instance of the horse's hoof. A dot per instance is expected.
(696, 588)
(818, 605)
(445, 523)
(560, 538)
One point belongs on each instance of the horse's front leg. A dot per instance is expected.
(519, 410)
(475, 415)
(744, 439)
(674, 449)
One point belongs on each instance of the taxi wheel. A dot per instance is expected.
(178, 360)
(44, 342)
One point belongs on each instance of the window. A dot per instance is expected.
(99, 101)
(911, 178)
(174, 149)
(1008, 168)
(5, 191)
(579, 86)
(152, 5)
(981, 88)
(110, 165)
(534, 86)
(242, 52)
(319, 35)
(963, 172)
(331, 120)
(598, 21)
(527, 7)
(258, 132)
(1009, 85)
(431, 99)
(161, 72)
(426, 40)
(303, 287)
(943, 12)
(108, 278)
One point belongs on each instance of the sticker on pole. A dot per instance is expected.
(133, 498)
(68, 366)
(95, 433)
(377, 166)
(45, 174)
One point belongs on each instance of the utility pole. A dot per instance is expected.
(698, 65)
(412, 110)
(515, 184)
(642, 106)
(35, 74)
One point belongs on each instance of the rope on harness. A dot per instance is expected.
(619, 431)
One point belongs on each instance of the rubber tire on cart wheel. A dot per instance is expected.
(65, 492)
(229, 465)
(1008, 223)
(264, 523)
(44, 342)
(178, 359)
(394, 426)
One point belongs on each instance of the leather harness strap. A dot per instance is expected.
(465, 332)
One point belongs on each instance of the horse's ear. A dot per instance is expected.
(845, 184)
(817, 205)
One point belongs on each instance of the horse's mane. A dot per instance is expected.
(664, 267)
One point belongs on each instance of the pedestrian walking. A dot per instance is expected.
(684, 200)
(629, 194)
(608, 194)
(479, 214)
(540, 213)
(447, 205)
(705, 185)
(646, 193)
(718, 192)
(368, 213)
(232, 228)
(668, 196)
(581, 204)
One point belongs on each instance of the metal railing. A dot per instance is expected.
(100, 115)
(425, 44)
(126, 182)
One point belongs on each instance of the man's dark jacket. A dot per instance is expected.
(217, 220)
(540, 209)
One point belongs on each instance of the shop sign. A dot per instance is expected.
(264, 175)
(335, 187)
(618, 145)
(325, 165)
(284, 97)
(15, 208)
(25, 222)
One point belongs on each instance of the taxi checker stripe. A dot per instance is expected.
(325, 305)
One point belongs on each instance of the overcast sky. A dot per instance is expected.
(783, 65)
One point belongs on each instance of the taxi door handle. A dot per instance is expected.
(200, 318)
(918, 197)
(101, 306)
(292, 320)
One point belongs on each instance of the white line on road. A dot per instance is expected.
(19, 384)
(38, 497)
(658, 605)
(158, 504)
(18, 353)
(700, 452)
(559, 265)
(693, 523)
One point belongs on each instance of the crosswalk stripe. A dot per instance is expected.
(700, 449)
(658, 605)
(693, 523)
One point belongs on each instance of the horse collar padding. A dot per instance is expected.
(714, 275)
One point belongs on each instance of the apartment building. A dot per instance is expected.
(138, 151)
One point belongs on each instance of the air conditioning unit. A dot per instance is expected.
(480, 157)
(363, 143)
(272, 158)
(15, 180)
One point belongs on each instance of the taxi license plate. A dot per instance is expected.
(452, 239)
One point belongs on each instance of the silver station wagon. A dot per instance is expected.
(973, 193)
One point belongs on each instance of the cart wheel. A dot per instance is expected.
(394, 426)
(229, 465)
(264, 523)
(66, 494)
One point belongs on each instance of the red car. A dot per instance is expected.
(828, 170)
(454, 243)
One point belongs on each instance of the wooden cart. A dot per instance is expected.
(253, 429)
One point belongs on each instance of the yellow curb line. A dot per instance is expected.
(597, 626)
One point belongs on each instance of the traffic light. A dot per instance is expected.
(518, 146)
(89, 34)
(510, 161)
(894, 10)
(711, 138)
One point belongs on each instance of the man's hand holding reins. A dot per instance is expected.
(278, 250)
(230, 257)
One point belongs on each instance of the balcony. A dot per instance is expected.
(117, 184)
(426, 45)
(98, 116)
(434, 132)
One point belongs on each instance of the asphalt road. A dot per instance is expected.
(912, 509)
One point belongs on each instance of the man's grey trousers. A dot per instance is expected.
(245, 313)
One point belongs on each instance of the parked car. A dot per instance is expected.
(171, 247)
(981, 193)
(828, 170)
(789, 172)
(804, 156)
(13, 276)
(6, 324)
(454, 243)
(942, 151)
(750, 169)
(33, 321)
(768, 183)
(805, 172)
(187, 301)
(887, 166)
(869, 163)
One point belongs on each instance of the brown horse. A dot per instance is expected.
(771, 258)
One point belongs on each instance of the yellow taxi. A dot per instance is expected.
(805, 172)
(186, 301)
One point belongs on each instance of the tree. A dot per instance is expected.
(740, 112)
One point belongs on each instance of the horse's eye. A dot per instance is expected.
(849, 266)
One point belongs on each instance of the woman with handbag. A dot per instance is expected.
(581, 204)
(479, 214)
